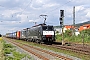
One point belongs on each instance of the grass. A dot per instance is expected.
(1, 39)
(15, 55)
(1, 49)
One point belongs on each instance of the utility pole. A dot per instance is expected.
(74, 20)
(44, 16)
(62, 24)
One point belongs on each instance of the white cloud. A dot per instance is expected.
(88, 14)
(79, 8)
(39, 1)
(3, 0)
(87, 11)
(31, 20)
(81, 1)
(50, 5)
(10, 13)
(14, 11)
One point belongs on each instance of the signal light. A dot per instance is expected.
(61, 19)
(62, 13)
(61, 23)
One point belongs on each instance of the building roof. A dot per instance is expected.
(86, 25)
(69, 26)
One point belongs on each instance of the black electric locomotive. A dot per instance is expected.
(40, 33)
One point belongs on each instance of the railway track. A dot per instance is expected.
(43, 57)
(82, 51)
(77, 49)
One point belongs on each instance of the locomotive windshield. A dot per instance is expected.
(50, 28)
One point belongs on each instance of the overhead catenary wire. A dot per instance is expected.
(26, 6)
(48, 12)
(58, 7)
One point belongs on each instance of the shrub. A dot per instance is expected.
(8, 46)
(7, 51)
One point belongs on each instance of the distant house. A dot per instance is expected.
(86, 26)
(67, 27)
(57, 29)
(70, 27)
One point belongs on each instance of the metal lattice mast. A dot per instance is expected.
(74, 20)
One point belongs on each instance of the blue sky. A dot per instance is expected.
(20, 14)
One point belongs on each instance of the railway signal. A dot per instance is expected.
(61, 24)
(61, 17)
(62, 13)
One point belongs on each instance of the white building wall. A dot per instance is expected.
(64, 29)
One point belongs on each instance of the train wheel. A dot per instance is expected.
(37, 41)
(33, 40)
(25, 39)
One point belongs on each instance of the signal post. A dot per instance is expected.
(62, 24)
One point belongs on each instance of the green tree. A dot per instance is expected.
(86, 34)
(68, 33)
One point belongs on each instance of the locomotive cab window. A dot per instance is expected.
(50, 28)
(44, 27)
